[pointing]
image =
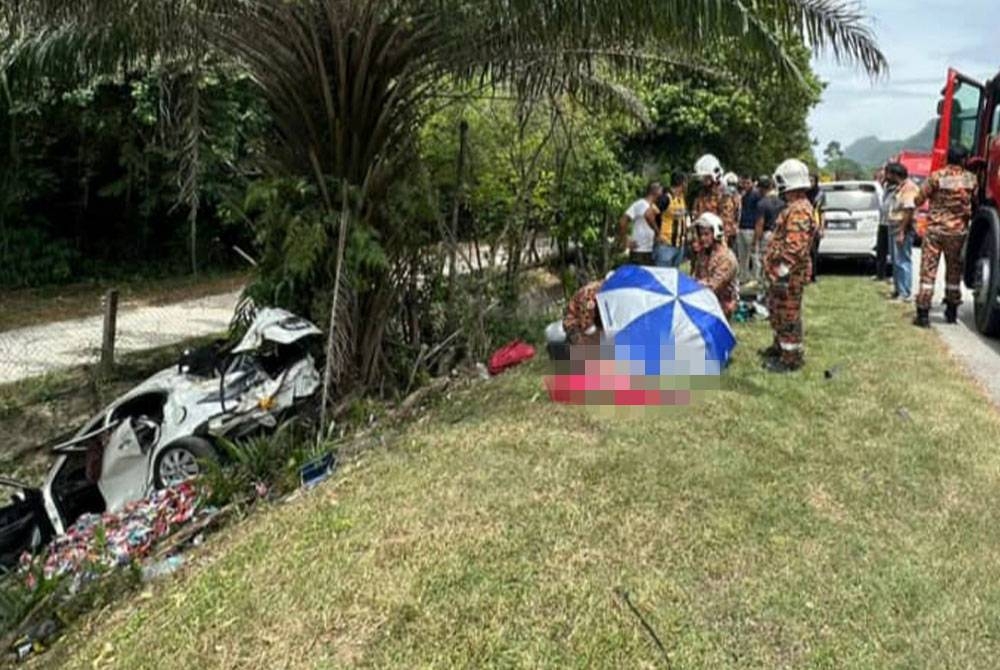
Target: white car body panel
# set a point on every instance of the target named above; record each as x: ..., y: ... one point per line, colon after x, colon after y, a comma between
x: 275, y: 325
x: 194, y: 406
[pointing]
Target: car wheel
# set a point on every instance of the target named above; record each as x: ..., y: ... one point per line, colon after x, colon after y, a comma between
x: 182, y: 462
x: 986, y: 285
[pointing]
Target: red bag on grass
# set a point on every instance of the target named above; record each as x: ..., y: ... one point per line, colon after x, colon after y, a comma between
x: 510, y: 355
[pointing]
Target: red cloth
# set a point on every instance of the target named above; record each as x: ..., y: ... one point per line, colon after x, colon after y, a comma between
x: 510, y: 355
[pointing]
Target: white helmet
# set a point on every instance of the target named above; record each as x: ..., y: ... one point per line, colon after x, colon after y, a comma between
x: 792, y: 175
x: 710, y: 220
x: 708, y: 166
x: 731, y: 179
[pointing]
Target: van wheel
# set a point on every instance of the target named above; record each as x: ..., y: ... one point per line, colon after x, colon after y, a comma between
x: 182, y: 461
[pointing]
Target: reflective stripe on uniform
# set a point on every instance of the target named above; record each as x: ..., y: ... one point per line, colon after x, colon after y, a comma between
x: 926, y: 287
x: 953, y: 287
x: 785, y: 346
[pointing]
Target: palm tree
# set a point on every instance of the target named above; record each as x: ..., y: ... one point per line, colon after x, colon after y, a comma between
x: 349, y: 82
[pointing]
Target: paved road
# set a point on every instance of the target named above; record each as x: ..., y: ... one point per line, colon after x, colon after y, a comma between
x: 29, y: 352
x: 979, y: 355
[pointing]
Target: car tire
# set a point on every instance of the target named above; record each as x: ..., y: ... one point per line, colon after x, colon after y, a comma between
x: 182, y: 461
x: 987, y: 283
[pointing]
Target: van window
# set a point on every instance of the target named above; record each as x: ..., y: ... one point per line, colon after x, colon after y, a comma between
x: 854, y: 199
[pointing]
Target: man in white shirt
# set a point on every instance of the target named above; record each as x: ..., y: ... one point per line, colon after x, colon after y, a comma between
x: 638, y: 226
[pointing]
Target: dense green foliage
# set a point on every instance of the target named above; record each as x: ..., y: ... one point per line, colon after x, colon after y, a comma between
x: 89, y: 179
x: 751, y: 123
x: 353, y: 214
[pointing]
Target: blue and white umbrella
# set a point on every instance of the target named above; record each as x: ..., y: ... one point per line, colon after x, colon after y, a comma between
x: 663, y: 322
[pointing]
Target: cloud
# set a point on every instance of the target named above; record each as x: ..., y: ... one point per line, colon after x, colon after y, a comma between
x: 921, y: 41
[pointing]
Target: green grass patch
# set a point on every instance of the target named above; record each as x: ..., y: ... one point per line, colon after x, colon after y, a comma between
x: 791, y: 521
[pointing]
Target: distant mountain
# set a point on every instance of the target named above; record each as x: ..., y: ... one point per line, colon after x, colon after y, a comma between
x: 871, y: 151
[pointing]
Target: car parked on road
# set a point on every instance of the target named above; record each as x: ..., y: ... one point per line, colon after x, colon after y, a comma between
x: 159, y: 434
x: 851, y: 212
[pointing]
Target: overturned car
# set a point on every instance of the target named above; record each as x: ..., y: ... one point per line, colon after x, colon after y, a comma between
x: 160, y: 433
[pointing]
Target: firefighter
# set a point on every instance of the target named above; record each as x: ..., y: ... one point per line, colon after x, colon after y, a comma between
x: 712, y: 197
x: 786, y: 265
x: 582, y: 322
x: 950, y: 191
x: 715, y: 264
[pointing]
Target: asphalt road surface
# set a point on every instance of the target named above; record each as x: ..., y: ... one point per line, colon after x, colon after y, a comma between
x: 980, y: 355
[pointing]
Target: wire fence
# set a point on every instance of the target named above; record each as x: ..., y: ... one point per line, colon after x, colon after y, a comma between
x: 41, y: 349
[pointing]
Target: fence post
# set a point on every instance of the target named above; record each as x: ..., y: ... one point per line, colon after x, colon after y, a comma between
x: 110, y: 328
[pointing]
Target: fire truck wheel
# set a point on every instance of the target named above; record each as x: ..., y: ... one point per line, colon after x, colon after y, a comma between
x: 987, y: 283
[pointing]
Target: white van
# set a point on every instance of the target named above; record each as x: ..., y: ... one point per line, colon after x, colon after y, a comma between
x: 852, y: 211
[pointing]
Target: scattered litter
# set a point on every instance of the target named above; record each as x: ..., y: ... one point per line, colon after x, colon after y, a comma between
x: 33, y: 642
x: 114, y: 540
x: 482, y: 371
x: 743, y: 313
x: 904, y: 414
x: 832, y: 372
x: 168, y: 566
x: 510, y: 355
x: 318, y: 469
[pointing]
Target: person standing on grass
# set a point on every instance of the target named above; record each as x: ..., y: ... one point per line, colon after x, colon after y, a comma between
x: 669, y: 249
x: 815, y: 197
x: 902, y: 206
x: 715, y: 265
x: 949, y: 191
x: 768, y: 208
x: 787, y: 268
x: 638, y: 226
x: 730, y: 211
x: 745, y: 250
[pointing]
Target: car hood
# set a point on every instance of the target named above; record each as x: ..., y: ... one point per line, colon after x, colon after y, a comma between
x: 275, y: 325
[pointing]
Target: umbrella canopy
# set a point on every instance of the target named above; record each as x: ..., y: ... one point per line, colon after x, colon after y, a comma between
x: 663, y: 322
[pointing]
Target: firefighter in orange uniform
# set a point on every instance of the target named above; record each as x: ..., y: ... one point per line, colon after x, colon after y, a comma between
x: 786, y: 266
x: 950, y: 191
x: 715, y: 264
x: 709, y: 199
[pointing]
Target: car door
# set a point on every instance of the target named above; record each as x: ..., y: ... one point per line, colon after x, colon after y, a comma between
x: 23, y: 523
x: 124, y: 467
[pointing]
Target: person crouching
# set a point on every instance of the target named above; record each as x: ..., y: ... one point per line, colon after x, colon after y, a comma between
x: 715, y: 265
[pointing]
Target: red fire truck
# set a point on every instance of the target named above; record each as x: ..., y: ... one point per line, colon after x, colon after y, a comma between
x: 969, y: 114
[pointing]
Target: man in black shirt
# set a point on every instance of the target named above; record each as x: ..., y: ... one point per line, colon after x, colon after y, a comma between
x: 768, y: 209
x: 748, y: 222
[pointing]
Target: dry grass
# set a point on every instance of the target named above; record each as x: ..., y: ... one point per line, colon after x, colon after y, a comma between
x: 791, y: 522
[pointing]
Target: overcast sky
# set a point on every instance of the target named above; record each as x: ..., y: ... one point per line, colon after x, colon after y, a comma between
x: 921, y: 39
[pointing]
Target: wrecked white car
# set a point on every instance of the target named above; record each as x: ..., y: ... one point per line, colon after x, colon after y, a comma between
x: 159, y: 434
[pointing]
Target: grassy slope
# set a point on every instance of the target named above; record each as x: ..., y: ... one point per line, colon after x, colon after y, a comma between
x: 784, y: 522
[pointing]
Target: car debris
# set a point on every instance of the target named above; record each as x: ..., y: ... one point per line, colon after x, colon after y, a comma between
x: 158, y: 435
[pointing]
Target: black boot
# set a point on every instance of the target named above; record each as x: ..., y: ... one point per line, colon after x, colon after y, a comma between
x: 951, y: 314
x: 772, y: 351
x: 923, y: 318
x: 778, y: 366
